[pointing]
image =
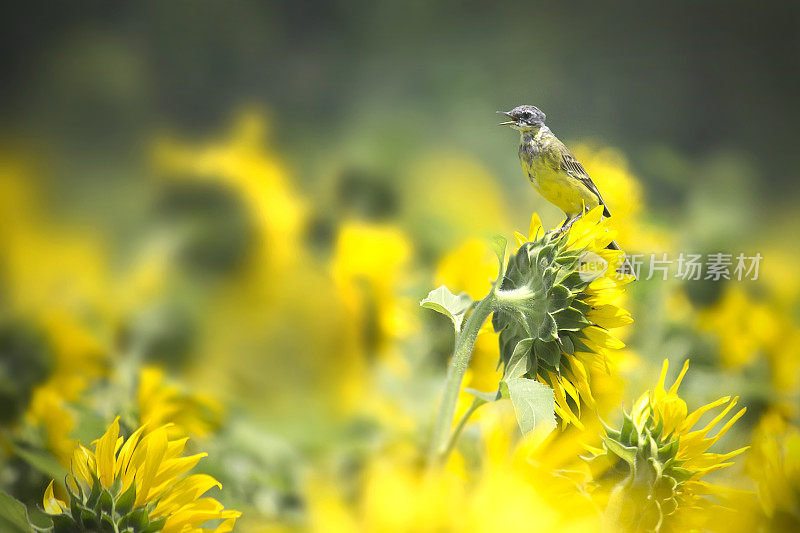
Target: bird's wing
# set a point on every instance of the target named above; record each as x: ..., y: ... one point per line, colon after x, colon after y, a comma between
x: 571, y: 166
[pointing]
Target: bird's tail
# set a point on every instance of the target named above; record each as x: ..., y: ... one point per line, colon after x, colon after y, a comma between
x: 626, y: 267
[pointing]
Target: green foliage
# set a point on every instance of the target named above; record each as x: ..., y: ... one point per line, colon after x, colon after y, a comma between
x: 42, y: 461
x: 534, y: 404
x: 445, y: 302
x: 13, y: 515
x: 499, y: 244
x: 25, y: 360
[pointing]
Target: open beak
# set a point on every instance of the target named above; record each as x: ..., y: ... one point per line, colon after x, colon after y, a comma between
x: 509, y: 122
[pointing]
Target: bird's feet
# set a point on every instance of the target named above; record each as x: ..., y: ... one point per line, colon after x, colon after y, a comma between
x: 568, y: 222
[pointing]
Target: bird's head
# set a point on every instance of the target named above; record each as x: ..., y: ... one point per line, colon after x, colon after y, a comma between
x: 524, y: 118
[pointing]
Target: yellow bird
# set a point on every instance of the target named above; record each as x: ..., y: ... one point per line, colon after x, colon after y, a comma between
x: 553, y: 170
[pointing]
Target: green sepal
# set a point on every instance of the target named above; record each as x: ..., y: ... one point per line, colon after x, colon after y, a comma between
x: 136, y: 519
x: 558, y: 298
x: 108, y: 522
x: 626, y: 434
x: 548, y: 328
x: 668, y: 451
x: 626, y: 453
x: 126, y: 500
x: 570, y: 319
x: 94, y: 495
x: 548, y: 352
x: 63, y: 524
x: 155, y: 525
x: 680, y: 474
x: 567, y: 346
x: 106, y: 502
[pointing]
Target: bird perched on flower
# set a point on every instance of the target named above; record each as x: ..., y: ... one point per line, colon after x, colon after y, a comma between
x: 552, y: 169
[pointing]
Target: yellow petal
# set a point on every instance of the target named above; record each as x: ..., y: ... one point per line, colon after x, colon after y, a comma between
x: 674, y: 388
x: 153, y: 448
x: 105, y: 453
x: 125, y: 470
x: 602, y: 338
x: 534, y: 227
x: 184, y: 492
x: 172, y: 468
x: 610, y: 316
x: 51, y: 504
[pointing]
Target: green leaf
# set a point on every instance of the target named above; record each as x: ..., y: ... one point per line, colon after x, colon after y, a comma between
x: 89, y: 425
x: 41, y: 461
x: 13, y: 515
x: 520, y: 362
x: 499, y: 244
x: 534, y: 404
x: 445, y: 302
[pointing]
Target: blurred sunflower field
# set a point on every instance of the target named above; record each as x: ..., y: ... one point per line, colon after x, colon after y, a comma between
x: 271, y: 267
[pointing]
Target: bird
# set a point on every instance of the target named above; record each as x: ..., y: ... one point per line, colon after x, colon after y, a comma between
x: 553, y: 171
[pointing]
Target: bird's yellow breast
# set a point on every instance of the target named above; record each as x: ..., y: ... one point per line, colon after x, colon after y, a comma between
x: 559, y: 188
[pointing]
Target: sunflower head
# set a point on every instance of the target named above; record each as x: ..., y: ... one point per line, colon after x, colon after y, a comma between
x: 136, y: 486
x: 654, y: 463
x: 557, y: 301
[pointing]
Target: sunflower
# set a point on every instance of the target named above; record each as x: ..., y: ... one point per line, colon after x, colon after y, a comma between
x: 651, y: 469
x: 161, y: 401
x: 137, y: 485
x: 774, y: 464
x: 559, y: 298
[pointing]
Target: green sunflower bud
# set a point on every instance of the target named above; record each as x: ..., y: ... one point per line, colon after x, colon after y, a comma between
x: 540, y: 308
x: 642, y: 463
x: 656, y: 460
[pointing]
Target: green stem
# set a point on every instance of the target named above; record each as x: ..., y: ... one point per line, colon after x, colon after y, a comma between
x: 465, y: 343
x: 451, y: 443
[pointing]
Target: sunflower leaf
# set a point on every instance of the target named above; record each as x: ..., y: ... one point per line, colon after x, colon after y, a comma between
x: 499, y: 244
x: 13, y: 515
x: 42, y: 461
x: 533, y: 402
x: 520, y: 362
x: 445, y: 302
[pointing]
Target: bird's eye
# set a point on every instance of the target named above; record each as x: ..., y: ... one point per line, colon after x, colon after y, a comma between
x: 527, y: 115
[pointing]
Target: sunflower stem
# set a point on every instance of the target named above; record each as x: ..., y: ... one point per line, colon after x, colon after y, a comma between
x: 451, y: 443
x: 465, y: 343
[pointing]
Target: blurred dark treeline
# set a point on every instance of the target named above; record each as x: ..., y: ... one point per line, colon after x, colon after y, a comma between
x: 97, y: 77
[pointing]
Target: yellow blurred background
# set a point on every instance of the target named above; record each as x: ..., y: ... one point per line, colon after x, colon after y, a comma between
x: 223, y: 215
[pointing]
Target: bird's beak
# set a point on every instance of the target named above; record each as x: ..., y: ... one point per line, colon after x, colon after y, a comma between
x: 507, y: 123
